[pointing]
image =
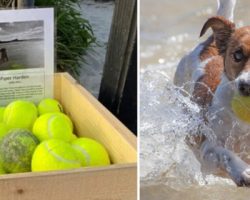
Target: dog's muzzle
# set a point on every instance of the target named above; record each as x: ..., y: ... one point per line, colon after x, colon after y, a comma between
x: 244, y: 88
x: 243, y: 83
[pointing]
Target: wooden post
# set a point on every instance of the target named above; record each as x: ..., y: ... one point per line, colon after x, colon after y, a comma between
x: 128, y: 105
x: 118, y: 57
x: 16, y: 3
x: 25, y: 3
x: 6, y: 3
x: 20, y: 4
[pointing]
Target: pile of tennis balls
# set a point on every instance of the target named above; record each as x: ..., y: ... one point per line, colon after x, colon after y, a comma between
x: 41, y: 138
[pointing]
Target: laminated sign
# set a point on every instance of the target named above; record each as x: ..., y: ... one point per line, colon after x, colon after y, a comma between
x: 26, y: 54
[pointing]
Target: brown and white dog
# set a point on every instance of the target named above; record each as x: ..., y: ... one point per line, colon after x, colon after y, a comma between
x: 219, y: 68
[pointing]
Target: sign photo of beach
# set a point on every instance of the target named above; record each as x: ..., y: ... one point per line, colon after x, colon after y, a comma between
x: 21, y: 45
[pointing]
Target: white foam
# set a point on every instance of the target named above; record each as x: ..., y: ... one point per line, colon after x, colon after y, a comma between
x: 167, y: 117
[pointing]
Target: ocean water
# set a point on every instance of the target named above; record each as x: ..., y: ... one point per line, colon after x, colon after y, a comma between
x: 23, y: 54
x: 168, y: 167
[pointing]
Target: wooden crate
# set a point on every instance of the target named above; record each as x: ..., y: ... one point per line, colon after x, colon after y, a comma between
x: 115, y: 182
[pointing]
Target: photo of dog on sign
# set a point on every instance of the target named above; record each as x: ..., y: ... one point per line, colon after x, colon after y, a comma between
x: 21, y: 45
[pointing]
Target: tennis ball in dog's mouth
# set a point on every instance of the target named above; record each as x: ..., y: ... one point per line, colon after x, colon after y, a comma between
x: 241, y: 107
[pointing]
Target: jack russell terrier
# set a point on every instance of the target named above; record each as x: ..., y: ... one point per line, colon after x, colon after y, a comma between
x: 220, y: 68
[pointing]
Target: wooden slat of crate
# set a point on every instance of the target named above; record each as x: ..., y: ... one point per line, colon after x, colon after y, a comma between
x: 93, y: 120
x: 110, y: 183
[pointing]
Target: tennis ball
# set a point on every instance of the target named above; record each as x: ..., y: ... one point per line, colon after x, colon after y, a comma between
x: 53, y: 125
x: 73, y: 137
x: 20, y: 114
x: 90, y: 152
x: 2, y: 171
x: 2, y: 109
x: 16, y: 150
x: 49, y: 106
x: 54, y: 154
x: 3, y: 130
x: 241, y: 107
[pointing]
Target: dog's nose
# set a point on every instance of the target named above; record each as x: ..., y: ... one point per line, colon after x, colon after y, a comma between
x: 244, y: 88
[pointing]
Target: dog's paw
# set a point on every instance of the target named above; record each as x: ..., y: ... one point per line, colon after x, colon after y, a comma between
x: 244, y: 179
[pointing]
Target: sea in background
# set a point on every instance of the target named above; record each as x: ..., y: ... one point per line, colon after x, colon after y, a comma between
x: 24, y: 54
x: 24, y: 44
x: 168, y: 167
x: 100, y: 16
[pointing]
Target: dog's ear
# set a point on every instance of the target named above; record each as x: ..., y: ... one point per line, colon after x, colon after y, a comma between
x: 222, y: 29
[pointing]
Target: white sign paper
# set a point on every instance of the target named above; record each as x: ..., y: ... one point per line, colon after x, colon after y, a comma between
x: 26, y: 54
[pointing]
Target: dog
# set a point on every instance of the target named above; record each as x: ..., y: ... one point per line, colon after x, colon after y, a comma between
x: 219, y: 68
x: 4, y: 57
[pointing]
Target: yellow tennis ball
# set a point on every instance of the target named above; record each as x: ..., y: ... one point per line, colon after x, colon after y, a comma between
x: 2, y: 109
x: 3, y: 130
x: 241, y: 107
x: 54, y: 154
x: 74, y: 137
x: 91, y: 152
x: 20, y: 114
x: 49, y: 106
x: 53, y: 125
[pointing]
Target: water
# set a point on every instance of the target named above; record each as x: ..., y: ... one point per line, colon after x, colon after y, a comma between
x: 168, y: 167
x: 99, y: 15
x: 23, y: 54
x: 214, y: 192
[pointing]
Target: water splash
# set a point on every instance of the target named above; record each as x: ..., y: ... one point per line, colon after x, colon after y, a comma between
x: 167, y: 118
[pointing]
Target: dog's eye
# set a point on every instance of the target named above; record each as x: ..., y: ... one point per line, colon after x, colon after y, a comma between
x: 238, y: 55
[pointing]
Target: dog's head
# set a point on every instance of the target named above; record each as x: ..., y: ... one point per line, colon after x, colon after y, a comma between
x: 234, y: 45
